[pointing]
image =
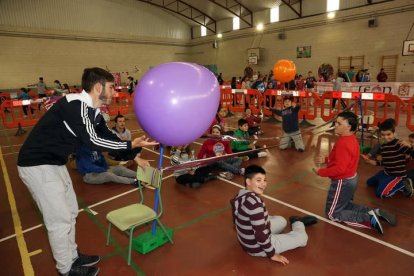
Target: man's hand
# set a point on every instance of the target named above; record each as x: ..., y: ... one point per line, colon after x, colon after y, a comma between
x: 280, y: 259
x: 315, y: 171
x: 142, y: 142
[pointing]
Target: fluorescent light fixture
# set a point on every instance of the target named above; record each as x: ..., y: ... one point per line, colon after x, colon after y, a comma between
x: 274, y: 14
x: 260, y: 27
x: 203, y: 31
x: 236, y: 23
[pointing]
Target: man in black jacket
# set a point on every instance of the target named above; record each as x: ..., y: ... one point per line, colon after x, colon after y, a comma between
x: 72, y: 121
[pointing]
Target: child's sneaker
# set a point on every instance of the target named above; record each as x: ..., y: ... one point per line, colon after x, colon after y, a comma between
x: 375, y: 223
x: 306, y: 220
x: 409, y: 190
x: 226, y: 175
x: 262, y: 154
x: 388, y: 217
x: 242, y: 170
x: 244, y: 158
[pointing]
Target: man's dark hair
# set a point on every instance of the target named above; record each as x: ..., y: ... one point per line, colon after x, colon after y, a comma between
x: 387, y: 125
x: 117, y: 117
x: 241, y: 122
x: 351, y: 118
x: 92, y: 76
x: 251, y: 171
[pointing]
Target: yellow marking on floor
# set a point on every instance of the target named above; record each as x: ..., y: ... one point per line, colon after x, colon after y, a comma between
x: 21, y: 243
x: 35, y: 252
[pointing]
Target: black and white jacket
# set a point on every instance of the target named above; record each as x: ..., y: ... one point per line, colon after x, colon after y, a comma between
x: 70, y: 122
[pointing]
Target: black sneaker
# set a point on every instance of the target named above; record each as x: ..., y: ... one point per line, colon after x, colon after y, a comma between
x: 86, y: 260
x: 375, y: 223
x: 306, y: 220
x: 388, y: 217
x: 409, y: 190
x: 82, y: 271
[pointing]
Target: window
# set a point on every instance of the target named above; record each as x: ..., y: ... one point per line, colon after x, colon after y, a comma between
x: 274, y: 14
x: 332, y: 5
x: 203, y: 31
x: 236, y: 23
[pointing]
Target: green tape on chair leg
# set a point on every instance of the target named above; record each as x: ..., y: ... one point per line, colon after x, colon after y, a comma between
x: 147, y: 242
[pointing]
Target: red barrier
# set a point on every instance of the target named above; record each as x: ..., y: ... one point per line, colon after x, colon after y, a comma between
x: 239, y: 100
x: 269, y: 100
x: 409, y: 123
x: 119, y: 104
x: 255, y: 100
x: 15, y: 116
x: 226, y: 98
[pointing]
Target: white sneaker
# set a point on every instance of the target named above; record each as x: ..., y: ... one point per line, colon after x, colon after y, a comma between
x: 262, y: 154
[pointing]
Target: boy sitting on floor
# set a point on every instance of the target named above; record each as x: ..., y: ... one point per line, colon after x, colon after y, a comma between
x: 260, y: 234
x: 393, y: 178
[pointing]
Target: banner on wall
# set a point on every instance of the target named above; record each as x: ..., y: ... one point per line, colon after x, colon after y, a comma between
x: 117, y: 77
x: 400, y: 89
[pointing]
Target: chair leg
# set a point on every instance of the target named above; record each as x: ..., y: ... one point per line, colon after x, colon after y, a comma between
x: 109, y: 234
x: 130, y: 246
x: 165, y: 231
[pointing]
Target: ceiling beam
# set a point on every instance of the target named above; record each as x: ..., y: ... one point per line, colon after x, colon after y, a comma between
x: 236, y: 8
x: 187, y: 11
x: 290, y: 4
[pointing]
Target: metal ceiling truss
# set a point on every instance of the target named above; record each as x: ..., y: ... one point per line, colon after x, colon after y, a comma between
x: 290, y: 4
x: 187, y: 11
x: 237, y: 9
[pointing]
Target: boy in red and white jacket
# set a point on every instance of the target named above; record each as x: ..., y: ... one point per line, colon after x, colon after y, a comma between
x: 342, y: 164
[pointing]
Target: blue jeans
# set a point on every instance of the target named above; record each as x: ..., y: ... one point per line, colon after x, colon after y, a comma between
x: 387, y: 185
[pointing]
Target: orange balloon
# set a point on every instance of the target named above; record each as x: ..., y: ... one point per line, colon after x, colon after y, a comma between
x: 284, y: 70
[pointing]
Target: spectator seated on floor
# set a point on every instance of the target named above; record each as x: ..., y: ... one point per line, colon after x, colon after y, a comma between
x: 217, y: 147
x: 125, y: 135
x: 190, y: 177
x: 94, y: 169
x: 254, y: 122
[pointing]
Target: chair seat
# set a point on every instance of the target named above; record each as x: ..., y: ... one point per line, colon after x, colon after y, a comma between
x: 130, y: 215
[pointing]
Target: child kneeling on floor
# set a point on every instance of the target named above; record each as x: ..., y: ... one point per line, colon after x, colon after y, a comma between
x: 259, y: 233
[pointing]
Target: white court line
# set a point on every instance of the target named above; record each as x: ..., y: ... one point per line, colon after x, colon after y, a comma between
x: 399, y: 249
x: 80, y: 210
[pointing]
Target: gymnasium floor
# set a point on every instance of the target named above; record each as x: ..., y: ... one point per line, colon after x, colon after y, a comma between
x: 205, y: 241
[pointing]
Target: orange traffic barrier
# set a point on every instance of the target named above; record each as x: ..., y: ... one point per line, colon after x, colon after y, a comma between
x: 120, y: 104
x: 239, y: 100
x: 20, y: 113
x: 409, y: 123
x: 226, y: 98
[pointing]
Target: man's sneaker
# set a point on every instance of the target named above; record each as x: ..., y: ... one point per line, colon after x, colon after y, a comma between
x: 82, y: 271
x: 306, y: 220
x: 375, y: 223
x: 409, y: 190
x: 388, y: 217
x: 86, y: 260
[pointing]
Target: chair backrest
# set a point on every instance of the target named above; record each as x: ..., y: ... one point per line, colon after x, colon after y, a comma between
x: 151, y: 176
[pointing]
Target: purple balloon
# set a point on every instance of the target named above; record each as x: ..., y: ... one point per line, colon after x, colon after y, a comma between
x: 175, y: 103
